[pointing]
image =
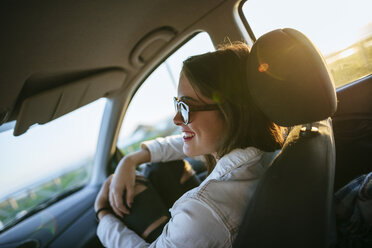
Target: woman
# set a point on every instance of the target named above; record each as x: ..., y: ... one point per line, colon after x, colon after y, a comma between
x: 219, y: 120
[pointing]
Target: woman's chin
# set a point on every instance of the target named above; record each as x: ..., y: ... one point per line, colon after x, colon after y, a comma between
x: 189, y: 152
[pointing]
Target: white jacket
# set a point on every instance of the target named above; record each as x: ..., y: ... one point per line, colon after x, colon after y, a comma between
x: 206, y: 216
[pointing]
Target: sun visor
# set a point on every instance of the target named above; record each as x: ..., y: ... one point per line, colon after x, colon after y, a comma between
x: 46, y: 97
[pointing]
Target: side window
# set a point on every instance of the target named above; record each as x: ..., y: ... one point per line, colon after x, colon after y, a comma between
x: 342, y: 30
x: 47, y: 161
x: 150, y: 113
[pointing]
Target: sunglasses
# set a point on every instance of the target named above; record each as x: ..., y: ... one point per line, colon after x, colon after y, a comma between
x: 184, y: 109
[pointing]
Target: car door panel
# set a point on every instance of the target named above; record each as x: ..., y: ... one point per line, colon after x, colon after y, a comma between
x: 353, y: 131
x: 69, y: 221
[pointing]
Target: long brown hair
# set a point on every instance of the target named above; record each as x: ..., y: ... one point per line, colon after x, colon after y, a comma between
x: 221, y: 76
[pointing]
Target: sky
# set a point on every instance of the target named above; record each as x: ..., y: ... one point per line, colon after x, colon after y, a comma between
x: 331, y: 24
x: 54, y: 147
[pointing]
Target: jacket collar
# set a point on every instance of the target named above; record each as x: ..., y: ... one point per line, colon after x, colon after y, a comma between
x: 236, y: 158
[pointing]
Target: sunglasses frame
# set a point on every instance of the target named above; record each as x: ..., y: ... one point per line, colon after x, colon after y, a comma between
x: 178, y: 104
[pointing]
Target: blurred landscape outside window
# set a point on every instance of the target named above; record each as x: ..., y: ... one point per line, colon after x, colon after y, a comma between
x: 341, y: 29
x: 151, y: 111
x: 46, y: 162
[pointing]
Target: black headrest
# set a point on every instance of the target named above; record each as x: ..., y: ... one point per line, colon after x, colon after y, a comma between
x: 289, y: 79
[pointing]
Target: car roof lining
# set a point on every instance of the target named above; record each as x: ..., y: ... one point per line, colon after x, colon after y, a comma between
x: 70, y: 35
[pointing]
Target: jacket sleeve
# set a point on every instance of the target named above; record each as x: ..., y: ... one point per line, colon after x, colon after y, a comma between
x: 165, y: 149
x: 192, y: 225
x: 114, y: 234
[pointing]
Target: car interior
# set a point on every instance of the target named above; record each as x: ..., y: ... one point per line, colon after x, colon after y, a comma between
x: 90, y: 63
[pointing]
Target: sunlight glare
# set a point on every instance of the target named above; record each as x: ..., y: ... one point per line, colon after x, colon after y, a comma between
x: 332, y: 25
x: 263, y: 67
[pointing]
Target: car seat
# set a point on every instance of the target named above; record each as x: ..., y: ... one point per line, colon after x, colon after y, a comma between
x: 292, y: 206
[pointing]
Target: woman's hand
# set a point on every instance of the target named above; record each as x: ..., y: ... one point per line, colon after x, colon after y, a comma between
x: 124, y: 180
x: 102, y: 200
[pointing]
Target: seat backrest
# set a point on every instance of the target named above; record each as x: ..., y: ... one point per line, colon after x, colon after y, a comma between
x: 292, y: 206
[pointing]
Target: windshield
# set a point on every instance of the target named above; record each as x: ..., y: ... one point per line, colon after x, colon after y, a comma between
x: 47, y: 161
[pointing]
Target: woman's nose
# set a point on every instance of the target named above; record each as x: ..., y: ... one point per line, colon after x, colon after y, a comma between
x: 177, y: 120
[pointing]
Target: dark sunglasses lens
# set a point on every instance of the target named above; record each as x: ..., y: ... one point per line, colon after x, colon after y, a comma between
x: 175, y: 104
x: 184, y: 113
x: 181, y: 108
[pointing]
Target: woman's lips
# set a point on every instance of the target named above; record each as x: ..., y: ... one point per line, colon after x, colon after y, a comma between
x: 187, y: 136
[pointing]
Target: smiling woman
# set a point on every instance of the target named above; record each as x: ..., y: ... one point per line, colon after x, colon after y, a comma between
x: 234, y: 136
